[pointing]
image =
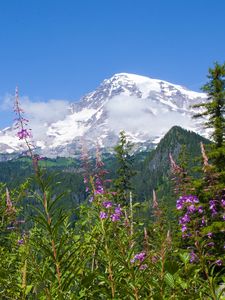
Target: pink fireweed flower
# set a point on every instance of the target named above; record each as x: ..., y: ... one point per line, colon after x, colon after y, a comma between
x: 22, y: 122
x: 23, y: 134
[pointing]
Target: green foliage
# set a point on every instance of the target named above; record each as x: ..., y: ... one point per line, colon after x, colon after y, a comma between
x: 11, y: 255
x: 214, y: 110
x: 125, y: 171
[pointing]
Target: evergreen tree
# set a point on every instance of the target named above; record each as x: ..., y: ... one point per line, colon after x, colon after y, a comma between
x: 214, y: 110
x: 125, y: 170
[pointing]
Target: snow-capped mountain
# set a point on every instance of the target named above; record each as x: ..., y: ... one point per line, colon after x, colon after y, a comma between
x: 145, y: 108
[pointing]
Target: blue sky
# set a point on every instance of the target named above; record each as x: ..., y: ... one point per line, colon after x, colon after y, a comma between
x: 62, y: 49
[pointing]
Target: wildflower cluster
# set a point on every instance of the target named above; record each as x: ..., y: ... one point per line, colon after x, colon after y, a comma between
x: 189, y: 204
x: 112, y: 211
x: 197, y: 225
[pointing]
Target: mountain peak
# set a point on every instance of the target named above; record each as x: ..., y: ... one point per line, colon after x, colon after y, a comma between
x: 144, y: 107
x: 130, y: 76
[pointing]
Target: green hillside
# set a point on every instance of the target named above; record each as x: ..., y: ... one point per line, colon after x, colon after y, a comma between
x: 154, y: 171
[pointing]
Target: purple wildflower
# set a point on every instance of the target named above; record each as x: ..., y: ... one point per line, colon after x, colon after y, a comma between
x: 180, y: 204
x: 186, y: 199
x: 193, y: 257
x: 185, y: 219
x: 223, y: 202
x: 117, y: 214
x: 212, y: 207
x: 211, y: 244
x: 99, y: 190
x: 218, y: 262
x: 115, y: 217
x: 140, y: 256
x: 200, y: 209
x: 107, y: 204
x: 118, y: 210
x: 20, y: 242
x: 103, y: 215
x: 191, y: 209
x: 203, y: 221
x: 183, y: 228
x: 209, y: 235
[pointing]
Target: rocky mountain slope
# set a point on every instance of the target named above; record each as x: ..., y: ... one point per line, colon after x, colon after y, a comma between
x: 145, y: 108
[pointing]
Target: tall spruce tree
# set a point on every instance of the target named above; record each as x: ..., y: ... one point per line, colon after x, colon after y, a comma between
x: 214, y: 111
x: 125, y: 170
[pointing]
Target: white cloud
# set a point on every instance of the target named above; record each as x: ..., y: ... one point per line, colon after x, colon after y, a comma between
x: 7, y: 102
x: 133, y: 114
x: 50, y: 111
x: 40, y: 114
